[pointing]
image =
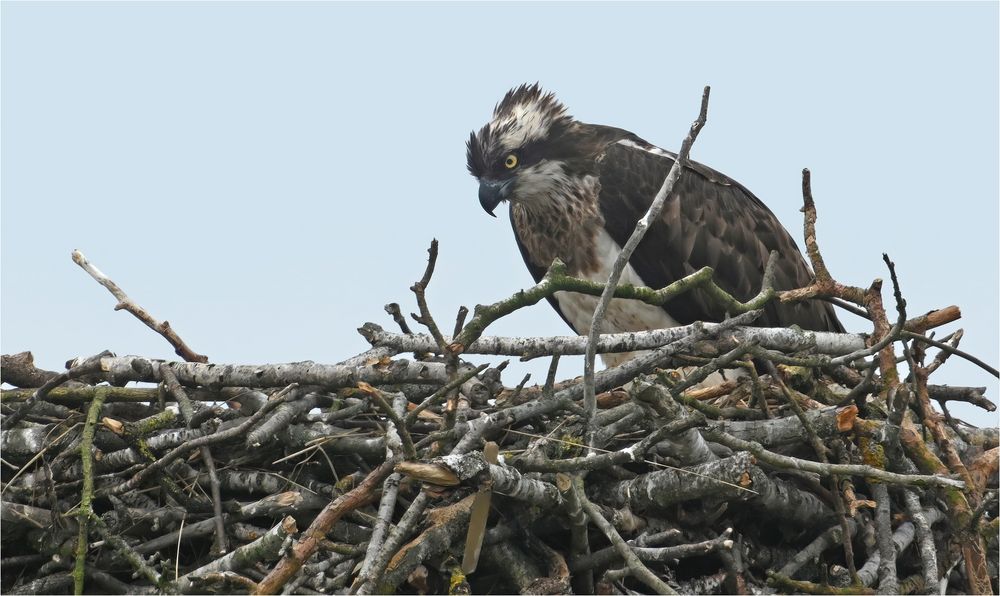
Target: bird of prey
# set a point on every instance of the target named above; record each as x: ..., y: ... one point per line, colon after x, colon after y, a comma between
x: 576, y: 192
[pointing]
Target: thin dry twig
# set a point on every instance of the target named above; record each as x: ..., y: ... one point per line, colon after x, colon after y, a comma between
x: 652, y: 214
x: 126, y: 303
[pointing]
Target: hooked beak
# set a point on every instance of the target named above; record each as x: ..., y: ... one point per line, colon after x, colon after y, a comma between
x: 492, y: 192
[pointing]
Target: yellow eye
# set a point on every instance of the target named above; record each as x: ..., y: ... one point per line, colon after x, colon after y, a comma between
x: 511, y: 162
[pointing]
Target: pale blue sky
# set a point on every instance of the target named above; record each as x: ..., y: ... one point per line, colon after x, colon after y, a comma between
x: 267, y: 176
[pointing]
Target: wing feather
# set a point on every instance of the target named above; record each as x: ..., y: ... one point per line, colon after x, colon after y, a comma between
x: 709, y: 220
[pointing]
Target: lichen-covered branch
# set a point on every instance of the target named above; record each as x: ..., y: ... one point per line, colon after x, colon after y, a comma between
x: 773, y: 338
x: 265, y: 548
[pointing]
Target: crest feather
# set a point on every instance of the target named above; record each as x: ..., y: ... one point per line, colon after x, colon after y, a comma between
x: 528, y: 98
x: 526, y: 114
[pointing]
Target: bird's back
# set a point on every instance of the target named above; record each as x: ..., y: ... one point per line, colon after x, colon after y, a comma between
x: 708, y: 221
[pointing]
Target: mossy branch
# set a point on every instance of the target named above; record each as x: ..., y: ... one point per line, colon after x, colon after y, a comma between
x: 558, y: 280
x: 84, y: 513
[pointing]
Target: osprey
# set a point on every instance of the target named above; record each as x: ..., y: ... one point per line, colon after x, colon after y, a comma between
x: 577, y: 190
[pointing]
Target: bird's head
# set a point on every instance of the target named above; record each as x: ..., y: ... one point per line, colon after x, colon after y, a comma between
x: 521, y: 153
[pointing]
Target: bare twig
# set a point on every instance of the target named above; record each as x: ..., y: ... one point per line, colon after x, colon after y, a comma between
x: 888, y: 581
x: 397, y: 315
x: 293, y: 561
x: 635, y: 566
x: 379, y: 398
x: 652, y: 214
x: 78, y: 369
x: 419, y: 289
x: 187, y: 412
x: 951, y: 350
x: 794, y: 463
x: 126, y: 303
x: 219, y: 437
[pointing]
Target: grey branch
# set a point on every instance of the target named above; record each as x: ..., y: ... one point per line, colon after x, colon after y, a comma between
x: 901, y: 538
x: 773, y: 338
x: 126, y: 303
x: 784, y: 461
x: 652, y: 214
x: 265, y: 548
x: 635, y: 566
x: 135, y: 368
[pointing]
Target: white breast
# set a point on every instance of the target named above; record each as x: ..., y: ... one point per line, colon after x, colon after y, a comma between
x: 622, y: 314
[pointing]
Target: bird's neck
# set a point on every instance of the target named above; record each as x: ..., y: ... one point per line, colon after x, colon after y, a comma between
x: 563, y: 228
